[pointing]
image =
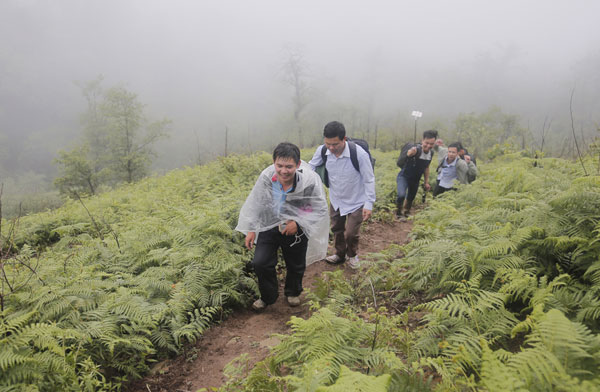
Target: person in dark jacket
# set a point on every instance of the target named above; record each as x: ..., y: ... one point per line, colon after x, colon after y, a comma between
x: 417, y: 161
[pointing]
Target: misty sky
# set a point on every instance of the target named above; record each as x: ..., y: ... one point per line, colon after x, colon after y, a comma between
x: 210, y: 64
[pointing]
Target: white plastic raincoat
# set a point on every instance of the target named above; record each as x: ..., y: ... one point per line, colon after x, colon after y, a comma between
x: 306, y: 204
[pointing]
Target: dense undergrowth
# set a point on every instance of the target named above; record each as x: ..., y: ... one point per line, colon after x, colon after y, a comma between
x: 506, y: 273
x: 498, y: 291
x: 95, y: 292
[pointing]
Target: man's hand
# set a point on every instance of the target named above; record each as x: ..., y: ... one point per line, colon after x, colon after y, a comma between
x: 291, y: 228
x: 467, y: 158
x: 250, y: 237
x: 439, y: 142
x: 427, y: 186
x: 411, y: 152
x: 367, y: 214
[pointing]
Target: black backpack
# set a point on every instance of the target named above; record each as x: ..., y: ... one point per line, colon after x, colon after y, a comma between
x: 403, y: 158
x: 322, y: 171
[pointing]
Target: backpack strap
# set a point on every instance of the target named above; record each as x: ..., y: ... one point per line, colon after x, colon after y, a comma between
x: 322, y: 169
x: 323, y: 154
x: 440, y: 165
x: 353, y: 155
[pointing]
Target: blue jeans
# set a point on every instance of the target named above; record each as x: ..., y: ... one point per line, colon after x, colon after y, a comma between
x: 407, y: 188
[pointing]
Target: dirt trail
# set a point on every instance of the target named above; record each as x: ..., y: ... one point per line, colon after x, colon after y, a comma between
x: 249, y: 332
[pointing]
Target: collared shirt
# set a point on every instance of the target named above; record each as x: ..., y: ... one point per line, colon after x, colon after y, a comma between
x: 279, y: 195
x: 349, y: 189
x: 447, y: 173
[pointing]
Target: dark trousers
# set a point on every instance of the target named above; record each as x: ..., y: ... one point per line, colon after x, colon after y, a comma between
x: 265, y: 261
x: 346, y: 230
x: 438, y: 190
x: 407, y: 188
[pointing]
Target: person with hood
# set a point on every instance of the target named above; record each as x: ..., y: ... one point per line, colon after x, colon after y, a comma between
x: 286, y: 209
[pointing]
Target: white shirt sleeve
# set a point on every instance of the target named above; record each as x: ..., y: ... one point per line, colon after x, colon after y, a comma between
x: 368, y: 177
x: 316, y: 159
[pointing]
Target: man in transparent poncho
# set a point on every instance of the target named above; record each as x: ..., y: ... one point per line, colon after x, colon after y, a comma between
x: 286, y: 209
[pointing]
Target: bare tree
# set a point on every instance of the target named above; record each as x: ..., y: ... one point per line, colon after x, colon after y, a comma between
x: 544, y: 130
x: 573, y: 129
x: 16, y: 270
x: 295, y: 74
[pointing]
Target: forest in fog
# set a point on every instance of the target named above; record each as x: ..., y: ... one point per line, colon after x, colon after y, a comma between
x: 211, y: 78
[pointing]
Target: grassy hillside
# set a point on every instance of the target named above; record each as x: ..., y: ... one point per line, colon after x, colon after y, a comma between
x: 498, y: 291
x: 503, y: 273
x: 94, y: 294
x: 97, y: 290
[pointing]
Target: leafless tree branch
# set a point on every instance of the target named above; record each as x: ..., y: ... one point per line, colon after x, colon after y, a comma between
x: 573, y: 128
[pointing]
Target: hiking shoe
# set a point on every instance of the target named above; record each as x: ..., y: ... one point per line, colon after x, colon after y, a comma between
x: 334, y: 259
x: 353, y: 262
x: 293, y: 301
x: 259, y: 304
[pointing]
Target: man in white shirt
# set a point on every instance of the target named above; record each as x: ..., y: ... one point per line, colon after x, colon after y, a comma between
x: 452, y: 168
x: 351, y: 184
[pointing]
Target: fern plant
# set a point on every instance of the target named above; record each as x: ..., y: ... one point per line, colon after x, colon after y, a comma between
x: 127, y: 277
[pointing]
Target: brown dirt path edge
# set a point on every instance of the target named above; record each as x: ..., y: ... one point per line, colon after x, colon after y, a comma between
x: 249, y: 332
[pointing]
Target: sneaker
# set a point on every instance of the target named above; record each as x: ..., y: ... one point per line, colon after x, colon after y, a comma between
x: 334, y: 259
x: 259, y: 304
x: 293, y: 301
x: 353, y: 262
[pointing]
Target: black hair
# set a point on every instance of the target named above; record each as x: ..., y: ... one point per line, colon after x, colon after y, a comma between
x: 457, y: 145
x: 287, y: 150
x: 334, y: 129
x: 432, y: 133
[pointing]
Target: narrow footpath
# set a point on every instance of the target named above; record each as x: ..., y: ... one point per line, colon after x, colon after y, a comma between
x: 249, y: 332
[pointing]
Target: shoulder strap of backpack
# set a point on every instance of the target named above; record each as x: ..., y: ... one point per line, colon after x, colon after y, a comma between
x: 353, y: 155
x: 439, y: 165
x: 323, y: 154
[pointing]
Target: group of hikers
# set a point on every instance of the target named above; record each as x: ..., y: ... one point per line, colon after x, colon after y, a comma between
x: 454, y: 164
x: 287, y: 207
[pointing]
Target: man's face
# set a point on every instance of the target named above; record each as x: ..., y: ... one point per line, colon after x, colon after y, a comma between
x: 335, y: 145
x: 461, y: 152
x: 427, y: 144
x: 452, y: 153
x: 285, y: 169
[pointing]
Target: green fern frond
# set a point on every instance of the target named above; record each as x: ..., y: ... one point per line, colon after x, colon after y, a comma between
x: 496, y: 375
x: 358, y: 382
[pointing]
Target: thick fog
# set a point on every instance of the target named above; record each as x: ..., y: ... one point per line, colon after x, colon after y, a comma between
x: 215, y: 65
